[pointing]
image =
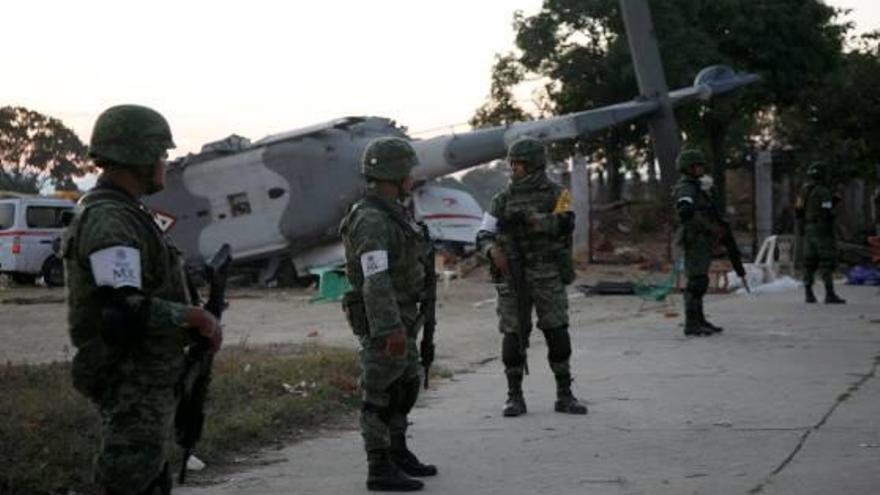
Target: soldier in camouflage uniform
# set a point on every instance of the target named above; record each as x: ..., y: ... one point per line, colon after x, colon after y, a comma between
x: 128, y: 309
x: 697, y: 236
x: 815, y: 208
x: 525, y: 213
x: 385, y: 255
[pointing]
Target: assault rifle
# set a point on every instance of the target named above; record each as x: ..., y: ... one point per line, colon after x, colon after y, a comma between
x: 193, y: 386
x: 516, y: 263
x: 730, y: 245
x: 428, y: 308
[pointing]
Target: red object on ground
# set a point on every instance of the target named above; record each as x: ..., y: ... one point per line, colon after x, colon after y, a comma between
x: 874, y: 242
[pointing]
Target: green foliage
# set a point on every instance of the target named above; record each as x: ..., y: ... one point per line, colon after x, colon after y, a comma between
x: 267, y: 395
x: 35, y: 149
x: 501, y: 108
x: 48, y: 432
x: 580, y: 48
x: 259, y: 397
x: 838, y: 120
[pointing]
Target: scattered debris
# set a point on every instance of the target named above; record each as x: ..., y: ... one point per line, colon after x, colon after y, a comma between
x: 302, y: 388
x: 628, y: 254
x: 608, y: 288
x: 782, y: 284
x: 863, y: 275
x: 194, y: 464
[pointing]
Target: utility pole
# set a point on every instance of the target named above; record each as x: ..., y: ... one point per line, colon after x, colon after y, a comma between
x: 580, y: 197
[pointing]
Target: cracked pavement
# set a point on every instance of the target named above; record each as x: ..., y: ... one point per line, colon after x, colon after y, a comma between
x: 786, y: 401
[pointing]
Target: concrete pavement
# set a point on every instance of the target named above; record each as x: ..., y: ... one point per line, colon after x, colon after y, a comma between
x: 786, y: 401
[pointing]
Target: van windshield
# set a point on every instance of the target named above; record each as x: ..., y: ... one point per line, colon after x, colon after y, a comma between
x: 45, y: 217
x: 7, y: 216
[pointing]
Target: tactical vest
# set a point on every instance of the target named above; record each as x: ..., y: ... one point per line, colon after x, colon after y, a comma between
x: 817, y: 218
x: 536, y: 194
x: 159, y: 351
x: 406, y: 250
x: 688, y: 189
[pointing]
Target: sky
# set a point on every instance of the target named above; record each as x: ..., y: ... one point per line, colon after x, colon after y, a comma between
x: 254, y: 68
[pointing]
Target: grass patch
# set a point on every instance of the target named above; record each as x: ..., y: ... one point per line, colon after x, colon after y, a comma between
x: 260, y: 396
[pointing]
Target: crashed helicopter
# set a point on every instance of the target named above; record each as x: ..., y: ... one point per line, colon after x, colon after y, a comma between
x: 278, y: 201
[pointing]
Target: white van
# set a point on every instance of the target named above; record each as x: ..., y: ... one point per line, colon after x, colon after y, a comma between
x: 29, y: 229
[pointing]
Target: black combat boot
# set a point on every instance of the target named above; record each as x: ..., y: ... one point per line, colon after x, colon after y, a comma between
x: 830, y: 296
x: 706, y: 324
x: 810, y: 296
x: 385, y: 476
x: 406, y: 460
x: 693, y: 327
x: 566, y: 402
x: 516, y: 403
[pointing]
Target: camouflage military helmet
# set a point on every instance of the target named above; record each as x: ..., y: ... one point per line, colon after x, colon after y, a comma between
x: 528, y: 151
x: 388, y: 158
x: 130, y: 135
x: 688, y: 158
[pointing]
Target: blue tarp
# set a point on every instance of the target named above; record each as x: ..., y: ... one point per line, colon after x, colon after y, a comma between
x: 863, y: 275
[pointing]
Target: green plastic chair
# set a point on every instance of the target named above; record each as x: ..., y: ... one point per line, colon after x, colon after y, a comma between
x: 650, y: 289
x: 332, y: 283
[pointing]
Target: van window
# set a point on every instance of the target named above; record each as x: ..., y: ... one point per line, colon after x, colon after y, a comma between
x: 45, y: 217
x: 7, y: 216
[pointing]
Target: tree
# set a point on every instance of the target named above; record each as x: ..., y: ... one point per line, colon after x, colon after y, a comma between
x: 838, y: 121
x: 580, y: 47
x: 501, y: 108
x: 36, y: 149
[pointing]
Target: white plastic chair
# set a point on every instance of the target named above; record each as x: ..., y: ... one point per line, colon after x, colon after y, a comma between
x: 768, y: 265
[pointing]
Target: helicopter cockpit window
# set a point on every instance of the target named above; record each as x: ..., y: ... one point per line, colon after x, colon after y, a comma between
x: 239, y: 204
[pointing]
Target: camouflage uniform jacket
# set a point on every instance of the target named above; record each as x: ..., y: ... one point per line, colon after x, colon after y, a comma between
x: 698, y: 224
x: 817, y: 202
x: 108, y: 217
x: 384, y: 260
x: 532, y: 199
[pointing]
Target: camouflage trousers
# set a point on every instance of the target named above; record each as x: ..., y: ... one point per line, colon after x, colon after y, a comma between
x: 548, y: 300
x: 697, y: 259
x: 390, y: 386
x: 697, y: 255
x: 820, y: 253
x: 137, y: 425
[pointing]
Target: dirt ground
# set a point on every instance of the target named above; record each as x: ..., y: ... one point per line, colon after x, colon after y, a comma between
x: 33, y: 319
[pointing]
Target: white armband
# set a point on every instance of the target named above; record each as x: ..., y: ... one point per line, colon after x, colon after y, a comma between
x: 117, y: 266
x: 374, y: 262
x: 827, y: 205
x: 490, y: 223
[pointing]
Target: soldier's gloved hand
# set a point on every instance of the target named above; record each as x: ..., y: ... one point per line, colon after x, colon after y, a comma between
x: 206, y: 325
x: 395, y: 344
x: 565, y: 222
x: 499, y: 260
